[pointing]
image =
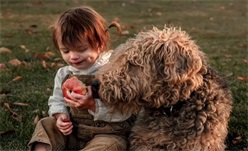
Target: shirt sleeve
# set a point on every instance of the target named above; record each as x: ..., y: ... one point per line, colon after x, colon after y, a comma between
x: 102, y: 113
x: 56, y: 102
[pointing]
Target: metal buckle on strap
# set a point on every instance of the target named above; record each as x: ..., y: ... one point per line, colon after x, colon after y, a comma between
x: 100, y: 124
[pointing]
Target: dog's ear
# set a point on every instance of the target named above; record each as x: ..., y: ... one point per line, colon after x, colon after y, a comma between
x: 182, y: 61
x: 184, y: 65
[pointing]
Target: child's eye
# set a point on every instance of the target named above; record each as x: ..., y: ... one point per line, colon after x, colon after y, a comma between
x: 65, y: 50
x: 82, y: 49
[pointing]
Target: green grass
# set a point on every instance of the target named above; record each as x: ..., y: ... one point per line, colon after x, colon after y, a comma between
x: 219, y: 27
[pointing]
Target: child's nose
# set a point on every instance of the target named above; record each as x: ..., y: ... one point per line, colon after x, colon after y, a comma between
x: 74, y: 55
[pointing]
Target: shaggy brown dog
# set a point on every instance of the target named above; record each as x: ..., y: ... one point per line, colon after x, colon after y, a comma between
x: 181, y: 103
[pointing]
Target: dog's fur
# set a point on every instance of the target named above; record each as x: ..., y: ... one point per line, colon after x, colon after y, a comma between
x: 164, y: 78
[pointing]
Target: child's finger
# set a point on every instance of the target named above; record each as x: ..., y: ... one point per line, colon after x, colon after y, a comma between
x: 74, y: 103
x: 70, y: 102
x: 65, y: 126
x: 67, y: 130
x: 76, y: 96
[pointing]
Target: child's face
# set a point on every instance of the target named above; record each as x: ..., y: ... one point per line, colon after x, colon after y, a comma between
x: 82, y: 58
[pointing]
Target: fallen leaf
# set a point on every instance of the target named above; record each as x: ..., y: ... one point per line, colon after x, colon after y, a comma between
x: 49, y: 54
x: 242, y: 45
x: 15, y: 62
x: 60, y: 64
x: 245, y: 61
x: 43, y: 62
x: 39, y: 56
x: 2, y: 133
x: 125, y: 32
x: 24, y: 48
x: 28, y: 31
x: 127, y: 26
x: 20, y: 104
x: 48, y: 90
x: 193, y: 30
x: 3, y: 96
x: 159, y: 14
x: 228, y: 56
x: 36, y: 111
x: 237, y: 140
x: 48, y: 48
x: 117, y: 19
x: 57, y: 59
x: 3, y: 66
x: 4, y: 93
x: 222, y: 7
x: 7, y: 106
x: 36, y: 119
x: 245, y: 79
x: 5, y: 50
x: 16, y: 116
x: 229, y: 75
x: 44, y: 113
x: 25, y: 63
x: 53, y: 64
x: 16, y: 78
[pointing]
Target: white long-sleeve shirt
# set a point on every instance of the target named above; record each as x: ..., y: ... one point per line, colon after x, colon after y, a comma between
x: 57, y: 104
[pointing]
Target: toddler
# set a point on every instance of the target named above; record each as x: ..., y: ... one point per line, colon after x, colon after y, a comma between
x: 82, y: 39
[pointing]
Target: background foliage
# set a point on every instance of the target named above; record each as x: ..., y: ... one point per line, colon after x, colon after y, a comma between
x: 28, y: 61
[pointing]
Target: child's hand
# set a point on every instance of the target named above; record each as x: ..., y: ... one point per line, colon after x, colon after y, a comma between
x: 64, y: 123
x: 82, y: 101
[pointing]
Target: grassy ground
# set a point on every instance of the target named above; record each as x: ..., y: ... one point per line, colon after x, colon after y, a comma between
x: 29, y: 63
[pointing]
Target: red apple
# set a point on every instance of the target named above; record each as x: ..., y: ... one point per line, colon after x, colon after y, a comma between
x: 73, y: 84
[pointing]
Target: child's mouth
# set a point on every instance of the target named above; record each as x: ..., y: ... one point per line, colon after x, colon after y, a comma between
x: 77, y: 63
